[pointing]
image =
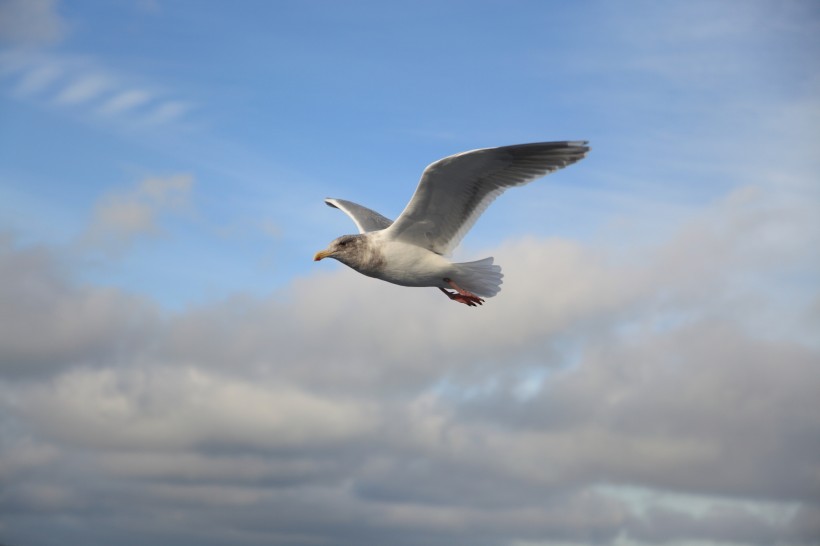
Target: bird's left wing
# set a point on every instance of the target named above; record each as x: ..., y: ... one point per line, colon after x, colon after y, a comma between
x: 364, y: 218
x: 454, y: 191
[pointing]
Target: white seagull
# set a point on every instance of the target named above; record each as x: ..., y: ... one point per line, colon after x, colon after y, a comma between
x: 451, y: 195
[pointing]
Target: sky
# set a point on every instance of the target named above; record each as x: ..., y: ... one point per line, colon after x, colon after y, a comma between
x: 175, y: 369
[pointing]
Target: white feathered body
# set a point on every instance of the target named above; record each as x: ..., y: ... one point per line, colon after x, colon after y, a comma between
x: 407, y: 264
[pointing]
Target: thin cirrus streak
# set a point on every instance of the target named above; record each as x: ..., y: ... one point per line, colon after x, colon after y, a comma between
x: 74, y: 83
x: 37, y: 79
x: 85, y: 88
x: 125, y: 101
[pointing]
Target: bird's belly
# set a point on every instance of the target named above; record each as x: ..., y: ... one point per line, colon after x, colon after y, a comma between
x: 410, y: 265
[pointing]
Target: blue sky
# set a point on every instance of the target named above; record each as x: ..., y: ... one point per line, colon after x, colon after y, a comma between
x: 271, y: 106
x: 646, y: 374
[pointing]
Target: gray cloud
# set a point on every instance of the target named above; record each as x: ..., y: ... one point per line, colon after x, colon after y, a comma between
x: 52, y: 324
x: 333, y: 414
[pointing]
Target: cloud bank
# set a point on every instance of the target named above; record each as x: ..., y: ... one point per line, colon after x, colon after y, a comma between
x: 607, y: 395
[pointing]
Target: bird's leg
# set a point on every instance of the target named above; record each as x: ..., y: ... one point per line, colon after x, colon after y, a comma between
x: 461, y: 295
x: 458, y: 297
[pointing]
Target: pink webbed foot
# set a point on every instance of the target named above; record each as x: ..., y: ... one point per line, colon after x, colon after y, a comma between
x: 472, y: 301
x: 460, y: 295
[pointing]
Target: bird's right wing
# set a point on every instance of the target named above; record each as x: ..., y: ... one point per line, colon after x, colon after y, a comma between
x: 454, y: 191
x: 364, y: 218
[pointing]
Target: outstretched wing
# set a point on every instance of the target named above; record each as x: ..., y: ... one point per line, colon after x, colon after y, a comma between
x: 454, y: 191
x: 364, y: 218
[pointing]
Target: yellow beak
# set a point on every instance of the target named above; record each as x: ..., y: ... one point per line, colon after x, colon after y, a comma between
x: 320, y: 255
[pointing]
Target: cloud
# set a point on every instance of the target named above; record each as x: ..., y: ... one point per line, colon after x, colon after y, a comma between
x: 72, y: 82
x: 74, y: 325
x: 331, y: 412
x: 222, y: 413
x: 726, y: 525
x: 82, y: 89
x: 37, y: 79
x: 168, y: 111
x: 86, y: 85
x: 121, y: 217
x: 30, y: 22
x: 124, y: 101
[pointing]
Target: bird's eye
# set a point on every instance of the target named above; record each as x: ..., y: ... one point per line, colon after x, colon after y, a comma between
x: 342, y: 243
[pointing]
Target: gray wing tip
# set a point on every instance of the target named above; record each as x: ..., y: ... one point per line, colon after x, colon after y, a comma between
x: 554, y: 145
x: 578, y: 144
x: 331, y: 202
x: 578, y: 148
x: 573, y: 150
x: 582, y: 146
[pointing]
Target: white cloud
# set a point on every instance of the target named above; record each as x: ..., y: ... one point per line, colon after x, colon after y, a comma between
x: 122, y: 216
x: 124, y: 101
x: 167, y: 112
x: 86, y: 85
x: 82, y: 89
x: 71, y: 82
x: 38, y: 79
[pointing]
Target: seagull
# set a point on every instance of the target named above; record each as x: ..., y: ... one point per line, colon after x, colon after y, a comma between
x: 452, y: 193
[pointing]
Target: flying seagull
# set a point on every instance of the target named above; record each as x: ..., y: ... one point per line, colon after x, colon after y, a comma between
x: 451, y: 195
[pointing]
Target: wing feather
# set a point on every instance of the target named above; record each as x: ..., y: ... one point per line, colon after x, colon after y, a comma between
x: 453, y: 192
x: 364, y: 218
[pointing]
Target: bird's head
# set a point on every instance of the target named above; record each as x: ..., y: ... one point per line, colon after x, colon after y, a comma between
x: 347, y: 249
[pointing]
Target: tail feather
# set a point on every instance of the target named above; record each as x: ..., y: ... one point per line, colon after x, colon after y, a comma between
x: 480, y: 277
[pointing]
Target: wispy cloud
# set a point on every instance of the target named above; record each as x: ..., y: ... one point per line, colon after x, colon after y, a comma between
x: 121, y: 217
x: 167, y: 112
x: 33, y: 72
x: 30, y: 22
x: 83, y: 88
x: 82, y: 84
x: 124, y: 101
x: 37, y: 79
